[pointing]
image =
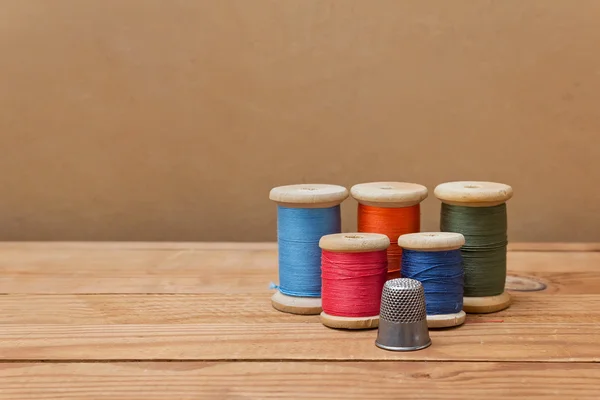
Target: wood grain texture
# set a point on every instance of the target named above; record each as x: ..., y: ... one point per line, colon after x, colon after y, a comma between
x: 85, y: 268
x: 209, y: 305
x: 111, y: 309
x: 307, y: 380
x: 244, y: 246
x: 157, y: 246
x: 97, y: 270
x: 294, y: 341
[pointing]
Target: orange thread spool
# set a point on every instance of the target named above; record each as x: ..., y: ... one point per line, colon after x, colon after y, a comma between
x: 392, y: 222
x: 392, y: 209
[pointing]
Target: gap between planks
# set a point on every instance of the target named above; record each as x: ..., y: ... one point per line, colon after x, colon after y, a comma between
x: 277, y: 361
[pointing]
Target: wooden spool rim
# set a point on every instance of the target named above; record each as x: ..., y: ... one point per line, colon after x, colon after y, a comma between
x: 389, y: 194
x: 336, y: 322
x: 484, y: 305
x: 354, y: 242
x: 473, y: 193
x: 431, y: 241
x: 309, y: 195
x: 446, y: 320
x: 296, y: 305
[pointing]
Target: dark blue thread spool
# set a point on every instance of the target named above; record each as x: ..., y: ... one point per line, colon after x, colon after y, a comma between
x: 435, y: 260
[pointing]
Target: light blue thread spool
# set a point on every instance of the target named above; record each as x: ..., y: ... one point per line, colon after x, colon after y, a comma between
x: 305, y: 213
x: 435, y: 260
x: 299, y: 231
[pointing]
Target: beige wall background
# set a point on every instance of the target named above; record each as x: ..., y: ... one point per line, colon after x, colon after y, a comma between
x: 172, y: 120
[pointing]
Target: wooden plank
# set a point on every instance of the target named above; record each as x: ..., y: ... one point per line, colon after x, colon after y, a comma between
x: 293, y: 341
x: 136, y: 271
x: 69, y: 270
x: 249, y: 308
x: 245, y: 246
x: 142, y: 309
x: 535, y: 308
x: 307, y: 380
x: 150, y: 246
x: 237, y: 323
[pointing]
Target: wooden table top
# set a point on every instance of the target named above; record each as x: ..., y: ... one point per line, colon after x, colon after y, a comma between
x: 194, y: 320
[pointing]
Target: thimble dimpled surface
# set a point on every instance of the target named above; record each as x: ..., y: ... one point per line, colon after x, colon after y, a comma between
x: 403, y: 317
x: 403, y: 300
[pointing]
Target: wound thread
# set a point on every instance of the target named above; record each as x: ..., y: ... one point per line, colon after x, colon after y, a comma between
x: 484, y: 252
x: 298, y: 233
x: 392, y: 222
x: 441, y: 273
x: 352, y: 282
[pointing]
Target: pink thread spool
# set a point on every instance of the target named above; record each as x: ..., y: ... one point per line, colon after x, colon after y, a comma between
x: 354, y: 270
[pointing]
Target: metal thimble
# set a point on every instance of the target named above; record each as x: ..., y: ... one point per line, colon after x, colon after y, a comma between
x: 403, y: 318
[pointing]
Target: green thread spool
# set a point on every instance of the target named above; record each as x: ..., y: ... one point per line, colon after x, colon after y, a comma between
x: 477, y: 210
x: 484, y: 254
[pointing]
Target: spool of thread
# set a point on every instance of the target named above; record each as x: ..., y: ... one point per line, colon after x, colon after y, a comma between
x: 354, y: 269
x: 392, y: 209
x: 435, y: 260
x: 478, y: 211
x: 305, y: 213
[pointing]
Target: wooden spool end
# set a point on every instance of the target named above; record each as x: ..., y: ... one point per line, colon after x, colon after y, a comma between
x: 446, y: 320
x: 473, y: 193
x: 430, y: 242
x: 485, y: 305
x: 296, y: 305
x: 336, y: 322
x: 352, y: 243
x: 389, y: 194
x: 309, y: 195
